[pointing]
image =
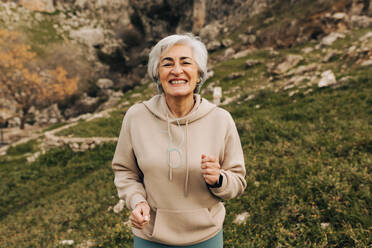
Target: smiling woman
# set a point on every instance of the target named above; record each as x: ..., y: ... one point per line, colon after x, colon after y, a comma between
x: 178, y: 155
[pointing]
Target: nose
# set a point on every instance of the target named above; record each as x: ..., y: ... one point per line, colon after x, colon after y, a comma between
x: 177, y: 69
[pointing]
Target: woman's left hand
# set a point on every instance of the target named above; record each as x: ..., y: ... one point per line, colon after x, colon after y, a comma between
x: 210, y: 169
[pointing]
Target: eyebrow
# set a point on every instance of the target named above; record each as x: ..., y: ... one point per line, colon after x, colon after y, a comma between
x: 171, y: 59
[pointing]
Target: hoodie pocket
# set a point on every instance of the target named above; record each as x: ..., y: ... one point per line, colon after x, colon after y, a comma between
x: 177, y: 227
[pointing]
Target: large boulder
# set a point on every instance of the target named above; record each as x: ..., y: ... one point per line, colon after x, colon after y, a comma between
x: 328, y: 79
x: 361, y: 21
x: 89, y: 36
x: 289, y: 62
x: 210, y: 32
x: 331, y: 38
x: 48, y: 115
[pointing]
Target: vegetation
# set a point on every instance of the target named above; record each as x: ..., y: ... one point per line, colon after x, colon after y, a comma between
x: 308, y: 162
x: 28, y: 147
x: 24, y: 82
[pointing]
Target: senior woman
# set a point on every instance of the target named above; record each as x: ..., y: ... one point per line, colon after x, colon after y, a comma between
x: 178, y: 155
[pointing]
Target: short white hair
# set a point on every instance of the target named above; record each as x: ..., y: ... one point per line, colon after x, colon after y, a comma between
x: 199, y: 52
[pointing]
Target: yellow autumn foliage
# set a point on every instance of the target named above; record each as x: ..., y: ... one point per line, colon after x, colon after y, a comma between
x: 22, y: 80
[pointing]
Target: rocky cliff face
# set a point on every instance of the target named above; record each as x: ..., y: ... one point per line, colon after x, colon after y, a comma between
x: 116, y: 35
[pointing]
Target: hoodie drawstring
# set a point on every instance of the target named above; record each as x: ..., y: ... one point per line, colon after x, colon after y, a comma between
x: 177, y: 149
x: 187, y: 161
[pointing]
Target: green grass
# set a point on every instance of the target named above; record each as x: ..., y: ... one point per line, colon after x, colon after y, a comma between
x: 55, y: 126
x: 22, y: 149
x: 63, y: 195
x: 308, y: 162
x: 100, y: 127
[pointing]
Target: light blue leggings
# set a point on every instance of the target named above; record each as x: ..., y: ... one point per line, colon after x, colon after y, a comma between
x: 214, y: 242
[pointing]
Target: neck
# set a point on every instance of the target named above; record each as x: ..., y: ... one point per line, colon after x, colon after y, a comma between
x: 180, y: 106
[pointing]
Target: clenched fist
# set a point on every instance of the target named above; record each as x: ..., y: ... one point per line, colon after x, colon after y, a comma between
x: 140, y: 215
x: 210, y: 169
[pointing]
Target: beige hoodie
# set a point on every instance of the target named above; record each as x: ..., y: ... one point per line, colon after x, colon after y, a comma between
x: 184, y: 211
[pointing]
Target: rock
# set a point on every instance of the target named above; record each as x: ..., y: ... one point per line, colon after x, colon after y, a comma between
x: 332, y: 37
x: 33, y: 157
x: 38, y: 5
x: 340, y: 16
x: 82, y: 3
x: 87, y: 244
x: 366, y: 63
x: 241, y: 218
x: 66, y: 242
x: 356, y: 7
x: 88, y: 101
x: 289, y: 62
x: 361, y: 21
x: 292, y: 93
x: 210, y: 73
x: 217, y: 94
x: 89, y: 36
x: 366, y: 36
x: 247, y: 39
x: 307, y: 50
x: 328, y: 79
x: 250, y: 97
x: 48, y: 115
x: 210, y: 32
x: 119, y: 206
x: 213, y: 45
x: 227, y: 42
x: 105, y: 83
x: 324, y: 225
x: 303, y: 69
x: 84, y: 147
x: 243, y: 53
x: 75, y: 146
x: 308, y: 91
x: 235, y: 75
x: 251, y: 62
x: 228, y: 52
x: 330, y: 55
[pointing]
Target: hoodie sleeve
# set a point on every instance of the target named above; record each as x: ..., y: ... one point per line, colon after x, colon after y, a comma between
x: 232, y: 166
x: 128, y: 177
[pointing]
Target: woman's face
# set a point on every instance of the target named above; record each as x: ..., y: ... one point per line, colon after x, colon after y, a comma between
x: 178, y: 71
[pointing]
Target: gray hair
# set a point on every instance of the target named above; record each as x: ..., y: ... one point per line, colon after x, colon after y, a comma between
x: 199, y: 51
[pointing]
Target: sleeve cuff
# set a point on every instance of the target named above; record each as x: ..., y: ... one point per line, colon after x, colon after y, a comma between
x: 222, y: 187
x: 137, y: 198
x: 217, y: 184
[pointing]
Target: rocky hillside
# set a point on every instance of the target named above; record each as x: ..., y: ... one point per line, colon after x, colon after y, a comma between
x: 106, y: 42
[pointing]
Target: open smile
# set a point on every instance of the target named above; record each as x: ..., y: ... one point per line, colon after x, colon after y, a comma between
x: 178, y: 81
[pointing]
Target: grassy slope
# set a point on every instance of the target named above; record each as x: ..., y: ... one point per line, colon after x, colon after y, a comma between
x: 308, y: 162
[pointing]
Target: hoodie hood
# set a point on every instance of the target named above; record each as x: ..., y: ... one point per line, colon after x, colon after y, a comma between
x: 157, y: 105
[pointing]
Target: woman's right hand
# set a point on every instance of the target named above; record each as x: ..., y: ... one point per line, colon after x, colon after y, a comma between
x: 140, y: 215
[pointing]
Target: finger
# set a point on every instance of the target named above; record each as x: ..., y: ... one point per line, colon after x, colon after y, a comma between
x: 210, y: 171
x: 210, y: 165
x: 134, y: 219
x: 211, y: 180
x: 146, y: 213
x: 212, y: 158
x: 137, y: 215
x: 209, y: 158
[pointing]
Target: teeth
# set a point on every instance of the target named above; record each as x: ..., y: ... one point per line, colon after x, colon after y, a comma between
x: 178, y: 82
